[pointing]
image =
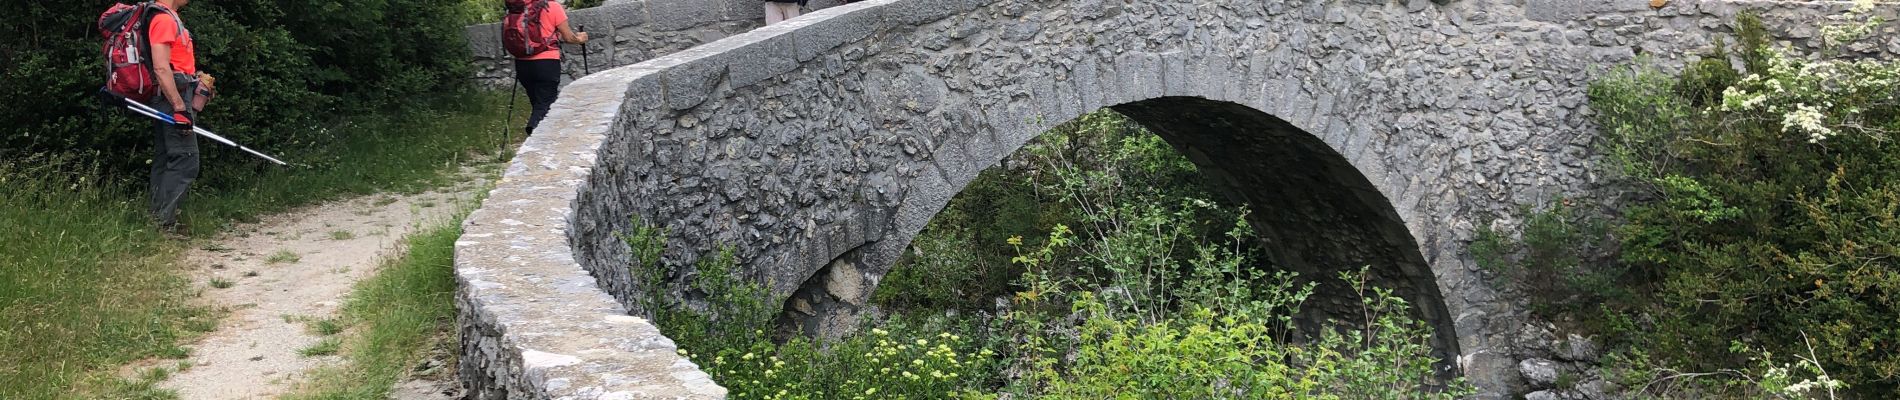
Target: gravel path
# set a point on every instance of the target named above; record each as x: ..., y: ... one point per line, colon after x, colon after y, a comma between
x: 287, y: 271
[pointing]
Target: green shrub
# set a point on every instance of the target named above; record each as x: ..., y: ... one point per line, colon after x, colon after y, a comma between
x: 1549, y: 258
x: 725, y: 310
x: 1157, y: 296
x: 959, y: 261
x: 282, y: 66
x: 1771, y: 217
x: 897, y: 361
x: 1230, y: 333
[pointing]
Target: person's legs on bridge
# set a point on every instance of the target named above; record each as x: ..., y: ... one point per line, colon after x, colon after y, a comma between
x: 541, y: 79
x: 776, y: 11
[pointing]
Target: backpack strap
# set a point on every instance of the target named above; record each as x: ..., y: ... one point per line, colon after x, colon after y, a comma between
x: 145, y: 27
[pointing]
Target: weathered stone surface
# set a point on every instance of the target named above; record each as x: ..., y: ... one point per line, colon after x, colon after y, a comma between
x: 844, y: 281
x: 1579, y: 348
x: 1544, y: 395
x: 1364, y: 133
x: 1539, y: 373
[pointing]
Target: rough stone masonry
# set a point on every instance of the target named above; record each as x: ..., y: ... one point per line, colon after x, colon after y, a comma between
x: 1364, y: 132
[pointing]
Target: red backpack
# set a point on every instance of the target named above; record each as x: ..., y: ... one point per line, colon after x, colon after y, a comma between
x: 521, y: 29
x: 128, y: 51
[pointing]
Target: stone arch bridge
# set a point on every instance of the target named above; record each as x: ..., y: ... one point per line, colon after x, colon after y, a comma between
x: 1363, y: 132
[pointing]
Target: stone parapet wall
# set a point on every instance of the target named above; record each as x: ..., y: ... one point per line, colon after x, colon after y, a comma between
x: 830, y: 140
x: 534, y: 324
x: 625, y: 32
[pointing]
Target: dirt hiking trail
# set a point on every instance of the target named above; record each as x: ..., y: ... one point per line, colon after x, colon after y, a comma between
x: 282, y: 274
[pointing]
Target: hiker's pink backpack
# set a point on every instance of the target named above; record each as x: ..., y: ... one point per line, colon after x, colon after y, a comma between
x: 127, y: 50
x: 521, y: 29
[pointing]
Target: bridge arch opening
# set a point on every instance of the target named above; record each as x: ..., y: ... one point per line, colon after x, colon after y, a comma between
x: 1313, y: 211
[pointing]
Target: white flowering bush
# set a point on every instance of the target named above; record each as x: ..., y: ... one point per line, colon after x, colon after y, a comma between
x: 1813, y: 98
x: 1766, y: 212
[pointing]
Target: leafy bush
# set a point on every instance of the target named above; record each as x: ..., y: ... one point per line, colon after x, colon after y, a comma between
x: 958, y: 261
x: 1235, y: 340
x: 1550, y: 256
x: 901, y: 362
x: 1084, y: 173
x: 282, y: 66
x: 726, y: 334
x: 1769, y: 216
x: 1158, y: 296
x: 725, y: 310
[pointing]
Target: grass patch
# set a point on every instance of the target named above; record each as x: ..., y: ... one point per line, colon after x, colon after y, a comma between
x: 325, y: 347
x: 341, y: 235
x: 400, y: 313
x: 222, y: 283
x: 326, y: 327
x: 282, y: 257
x: 144, y: 386
x: 87, y: 285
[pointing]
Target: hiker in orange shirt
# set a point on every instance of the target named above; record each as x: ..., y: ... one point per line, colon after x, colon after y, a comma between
x: 175, y: 67
x: 538, y: 63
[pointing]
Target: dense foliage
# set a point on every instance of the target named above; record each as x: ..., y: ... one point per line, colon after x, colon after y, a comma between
x: 1156, y: 294
x: 1065, y: 177
x: 283, y: 66
x: 1767, y: 214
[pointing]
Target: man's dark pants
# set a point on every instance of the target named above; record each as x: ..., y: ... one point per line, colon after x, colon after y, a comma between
x: 175, y: 163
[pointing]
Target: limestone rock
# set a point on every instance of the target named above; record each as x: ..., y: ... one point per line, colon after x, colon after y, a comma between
x: 1535, y: 340
x: 1579, y: 348
x: 845, y: 282
x: 1539, y: 373
x: 802, y: 306
x: 1544, y: 395
x: 1596, y: 389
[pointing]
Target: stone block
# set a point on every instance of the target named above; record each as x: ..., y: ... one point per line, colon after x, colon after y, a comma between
x: 764, y: 57
x: 1175, y: 76
x: 740, y: 10
x: 678, y: 15
x: 832, y: 28
x: 692, y: 76
x: 620, y: 15
x: 911, y: 12
x: 922, y: 199
x: 1089, y: 79
x: 484, y: 40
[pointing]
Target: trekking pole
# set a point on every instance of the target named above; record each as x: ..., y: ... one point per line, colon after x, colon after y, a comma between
x: 510, y: 123
x: 148, y: 111
x: 586, y: 67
